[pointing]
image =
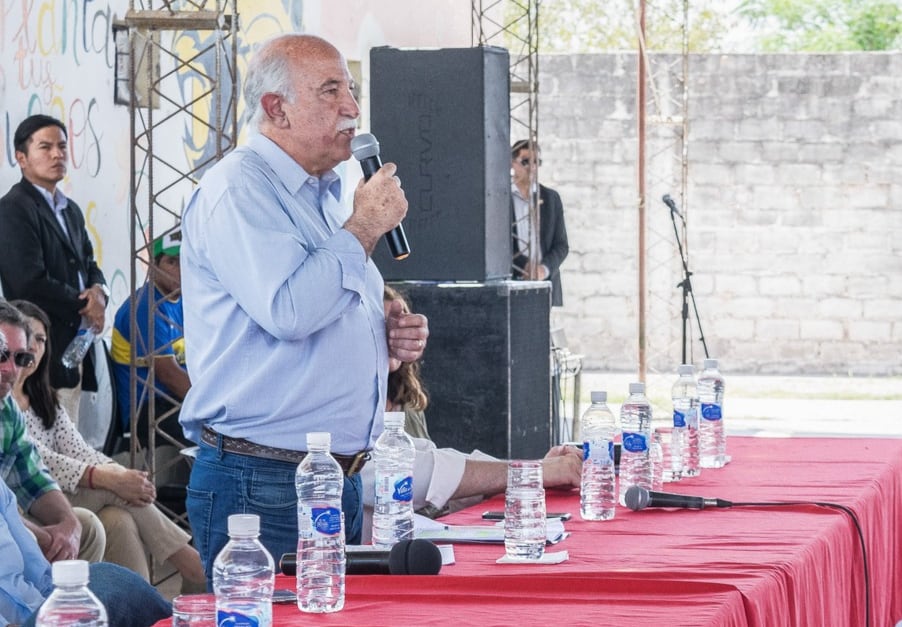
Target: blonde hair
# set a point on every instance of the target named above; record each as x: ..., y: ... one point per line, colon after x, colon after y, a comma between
x: 404, y: 385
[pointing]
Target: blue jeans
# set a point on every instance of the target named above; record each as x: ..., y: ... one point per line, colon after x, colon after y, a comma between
x: 129, y: 600
x: 226, y: 483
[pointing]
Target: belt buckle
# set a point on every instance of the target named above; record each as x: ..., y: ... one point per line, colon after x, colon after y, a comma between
x: 357, y: 463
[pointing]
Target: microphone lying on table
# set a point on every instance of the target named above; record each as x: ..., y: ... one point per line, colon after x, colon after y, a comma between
x: 407, y: 557
x: 637, y: 498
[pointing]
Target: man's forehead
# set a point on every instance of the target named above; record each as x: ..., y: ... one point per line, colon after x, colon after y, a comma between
x: 13, y: 335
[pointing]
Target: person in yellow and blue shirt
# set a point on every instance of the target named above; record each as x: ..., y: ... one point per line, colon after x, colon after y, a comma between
x: 163, y: 285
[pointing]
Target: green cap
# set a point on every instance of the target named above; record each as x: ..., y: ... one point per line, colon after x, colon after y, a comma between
x: 168, y: 244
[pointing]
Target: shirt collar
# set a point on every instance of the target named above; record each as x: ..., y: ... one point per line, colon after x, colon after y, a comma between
x: 57, y: 200
x: 292, y: 175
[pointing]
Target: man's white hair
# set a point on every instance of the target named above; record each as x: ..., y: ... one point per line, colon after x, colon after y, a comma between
x: 267, y: 73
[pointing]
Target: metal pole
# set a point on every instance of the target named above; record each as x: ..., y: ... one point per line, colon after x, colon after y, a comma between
x: 640, y: 99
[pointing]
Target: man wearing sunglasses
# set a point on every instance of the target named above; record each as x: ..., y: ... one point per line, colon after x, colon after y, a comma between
x: 61, y: 532
x: 536, y: 254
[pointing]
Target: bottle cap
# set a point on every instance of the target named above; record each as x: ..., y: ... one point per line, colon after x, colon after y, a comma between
x: 319, y: 438
x: 710, y: 363
x: 70, y: 573
x: 394, y: 418
x: 244, y: 525
x: 686, y: 369
x: 637, y: 388
x: 599, y: 397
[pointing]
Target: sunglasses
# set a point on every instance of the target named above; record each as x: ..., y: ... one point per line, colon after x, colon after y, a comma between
x: 22, y: 359
x: 525, y: 162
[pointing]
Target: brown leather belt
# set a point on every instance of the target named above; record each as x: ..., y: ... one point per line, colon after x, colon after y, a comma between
x: 350, y: 464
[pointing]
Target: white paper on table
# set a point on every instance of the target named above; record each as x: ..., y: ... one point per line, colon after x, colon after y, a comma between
x: 547, y: 558
x: 433, y: 530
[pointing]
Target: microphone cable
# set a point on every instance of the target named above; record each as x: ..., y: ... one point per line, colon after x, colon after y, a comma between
x: 848, y: 511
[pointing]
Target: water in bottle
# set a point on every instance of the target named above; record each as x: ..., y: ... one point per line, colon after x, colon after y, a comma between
x: 656, y: 459
x: 525, y: 530
x: 393, y: 457
x: 685, y: 421
x: 596, y: 491
x: 244, y: 576
x: 321, y: 529
x: 78, y: 347
x: 635, y: 423
x: 71, y: 603
x: 712, y: 437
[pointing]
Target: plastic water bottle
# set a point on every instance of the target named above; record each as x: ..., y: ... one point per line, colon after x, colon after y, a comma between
x: 244, y: 576
x: 596, y: 491
x: 685, y: 421
x: 321, y: 529
x: 712, y: 437
x: 71, y: 603
x: 78, y: 347
x: 393, y: 456
x: 656, y: 459
x: 635, y: 422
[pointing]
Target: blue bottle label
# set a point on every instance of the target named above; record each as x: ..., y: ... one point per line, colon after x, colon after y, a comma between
x: 327, y: 520
x: 599, y: 451
x: 679, y: 418
x: 711, y: 411
x: 403, y: 490
x: 235, y: 619
x: 635, y: 442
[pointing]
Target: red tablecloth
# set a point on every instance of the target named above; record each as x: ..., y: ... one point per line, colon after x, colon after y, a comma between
x: 759, y: 566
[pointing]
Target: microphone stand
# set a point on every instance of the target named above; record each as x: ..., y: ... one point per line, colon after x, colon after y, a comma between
x: 686, y: 284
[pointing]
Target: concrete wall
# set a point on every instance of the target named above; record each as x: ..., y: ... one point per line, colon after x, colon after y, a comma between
x: 794, y: 211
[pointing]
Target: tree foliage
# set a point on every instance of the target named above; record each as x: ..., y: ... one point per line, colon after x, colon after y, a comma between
x: 825, y: 25
x: 573, y: 26
x: 593, y: 25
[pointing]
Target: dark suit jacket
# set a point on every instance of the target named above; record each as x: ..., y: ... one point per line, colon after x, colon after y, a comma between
x: 39, y: 263
x: 552, y: 240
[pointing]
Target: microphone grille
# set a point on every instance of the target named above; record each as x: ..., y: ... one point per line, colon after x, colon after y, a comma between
x: 364, y: 146
x: 415, y: 557
x: 636, y: 498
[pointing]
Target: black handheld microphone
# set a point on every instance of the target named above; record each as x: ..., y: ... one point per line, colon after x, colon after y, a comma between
x: 407, y: 557
x: 669, y: 202
x: 365, y: 148
x: 637, y: 498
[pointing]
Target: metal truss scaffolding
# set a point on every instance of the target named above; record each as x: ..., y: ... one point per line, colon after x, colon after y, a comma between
x: 663, y: 101
x: 514, y: 24
x: 180, y: 87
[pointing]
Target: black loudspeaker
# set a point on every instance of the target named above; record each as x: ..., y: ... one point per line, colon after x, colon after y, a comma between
x: 487, y: 365
x: 443, y: 116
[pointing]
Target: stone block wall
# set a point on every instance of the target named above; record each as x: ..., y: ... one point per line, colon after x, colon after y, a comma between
x: 793, y: 210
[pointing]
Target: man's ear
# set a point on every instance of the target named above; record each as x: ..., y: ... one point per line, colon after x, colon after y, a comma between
x: 272, y: 106
x: 20, y: 157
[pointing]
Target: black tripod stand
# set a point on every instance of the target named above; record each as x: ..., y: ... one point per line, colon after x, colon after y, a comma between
x: 686, y: 283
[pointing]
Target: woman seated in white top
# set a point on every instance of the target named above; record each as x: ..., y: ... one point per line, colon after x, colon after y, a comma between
x: 122, y: 497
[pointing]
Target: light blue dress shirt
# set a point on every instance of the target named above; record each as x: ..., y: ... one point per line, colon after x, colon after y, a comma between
x: 25, y: 578
x: 284, y: 322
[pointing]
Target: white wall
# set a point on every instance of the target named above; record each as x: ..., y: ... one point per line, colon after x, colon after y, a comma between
x: 57, y: 57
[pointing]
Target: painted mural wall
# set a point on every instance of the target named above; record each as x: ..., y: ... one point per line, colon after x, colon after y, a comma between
x: 58, y: 57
